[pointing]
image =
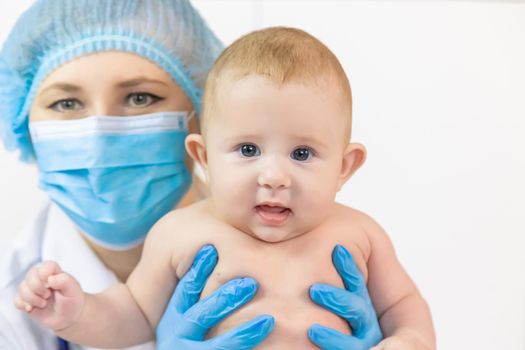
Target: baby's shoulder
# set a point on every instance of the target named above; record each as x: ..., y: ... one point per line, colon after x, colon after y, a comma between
x: 187, y: 217
x: 181, y: 233
x: 354, y: 225
x: 352, y: 217
x: 179, y: 227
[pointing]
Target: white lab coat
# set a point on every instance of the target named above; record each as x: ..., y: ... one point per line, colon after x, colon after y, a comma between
x: 50, y: 236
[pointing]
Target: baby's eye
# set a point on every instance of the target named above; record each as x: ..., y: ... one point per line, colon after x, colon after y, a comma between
x: 66, y: 105
x: 249, y: 150
x: 142, y: 99
x: 302, y: 154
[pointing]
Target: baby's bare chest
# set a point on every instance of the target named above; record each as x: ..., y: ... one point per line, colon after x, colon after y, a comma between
x: 297, y: 262
x: 284, y: 272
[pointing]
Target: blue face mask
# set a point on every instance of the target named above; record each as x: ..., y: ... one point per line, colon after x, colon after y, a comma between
x: 114, y: 176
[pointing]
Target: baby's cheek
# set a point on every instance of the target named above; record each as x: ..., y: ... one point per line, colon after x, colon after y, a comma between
x: 313, y: 210
x: 229, y: 193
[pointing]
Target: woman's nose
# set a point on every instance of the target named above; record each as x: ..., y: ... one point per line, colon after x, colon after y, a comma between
x: 106, y: 103
x: 104, y: 108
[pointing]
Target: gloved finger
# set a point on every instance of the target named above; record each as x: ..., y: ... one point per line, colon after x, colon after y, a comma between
x: 328, y: 338
x: 246, y: 336
x: 215, y: 307
x: 350, y: 274
x: 343, y: 303
x: 191, y: 284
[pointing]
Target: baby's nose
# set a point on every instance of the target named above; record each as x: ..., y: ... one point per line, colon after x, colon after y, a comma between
x: 274, y: 174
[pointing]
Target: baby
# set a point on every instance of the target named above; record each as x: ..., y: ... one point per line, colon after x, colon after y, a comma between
x: 275, y: 150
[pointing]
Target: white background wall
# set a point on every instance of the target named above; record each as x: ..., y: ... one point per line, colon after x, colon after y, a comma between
x: 439, y: 90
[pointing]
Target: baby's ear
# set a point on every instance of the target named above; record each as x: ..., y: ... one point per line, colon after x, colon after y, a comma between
x: 353, y: 157
x: 197, y: 150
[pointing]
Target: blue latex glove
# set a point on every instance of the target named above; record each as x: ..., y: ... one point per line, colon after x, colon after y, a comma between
x: 352, y: 303
x: 186, y: 319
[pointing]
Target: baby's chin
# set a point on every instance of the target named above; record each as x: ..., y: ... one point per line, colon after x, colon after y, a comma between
x: 269, y: 233
x: 273, y: 234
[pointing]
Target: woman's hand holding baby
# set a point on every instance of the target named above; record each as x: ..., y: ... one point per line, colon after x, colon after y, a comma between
x: 51, y: 296
x: 351, y: 303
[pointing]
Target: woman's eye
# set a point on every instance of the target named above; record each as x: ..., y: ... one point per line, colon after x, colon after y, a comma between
x: 249, y: 150
x: 142, y: 99
x: 302, y: 154
x: 66, y: 105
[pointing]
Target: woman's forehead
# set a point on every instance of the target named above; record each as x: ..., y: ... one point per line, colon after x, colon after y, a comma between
x: 116, y: 67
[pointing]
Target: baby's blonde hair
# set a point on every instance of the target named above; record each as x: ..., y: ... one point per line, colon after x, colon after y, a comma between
x: 282, y: 55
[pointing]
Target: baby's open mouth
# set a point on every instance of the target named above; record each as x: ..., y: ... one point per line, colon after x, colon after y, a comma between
x: 273, y: 215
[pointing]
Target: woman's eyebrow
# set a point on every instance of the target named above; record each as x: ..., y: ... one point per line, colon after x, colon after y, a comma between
x: 138, y: 81
x: 66, y: 87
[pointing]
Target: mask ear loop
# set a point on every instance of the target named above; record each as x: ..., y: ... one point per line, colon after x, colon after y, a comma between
x: 187, y: 119
x: 190, y: 116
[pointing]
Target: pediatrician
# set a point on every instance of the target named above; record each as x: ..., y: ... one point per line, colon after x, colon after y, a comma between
x: 101, y: 95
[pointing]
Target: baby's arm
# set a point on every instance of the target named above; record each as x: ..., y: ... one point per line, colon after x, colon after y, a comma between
x: 403, y: 313
x: 120, y: 316
x: 55, y: 299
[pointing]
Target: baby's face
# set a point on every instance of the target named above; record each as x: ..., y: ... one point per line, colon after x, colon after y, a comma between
x: 275, y: 156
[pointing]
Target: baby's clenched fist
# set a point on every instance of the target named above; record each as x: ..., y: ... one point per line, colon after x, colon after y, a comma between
x: 50, y: 296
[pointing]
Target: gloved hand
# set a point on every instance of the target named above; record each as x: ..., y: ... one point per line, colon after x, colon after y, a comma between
x: 352, y: 303
x: 186, y: 319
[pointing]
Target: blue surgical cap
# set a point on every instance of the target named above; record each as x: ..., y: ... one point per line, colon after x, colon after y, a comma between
x: 170, y: 33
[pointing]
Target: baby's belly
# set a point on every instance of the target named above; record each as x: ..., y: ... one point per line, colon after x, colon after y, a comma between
x: 293, y: 313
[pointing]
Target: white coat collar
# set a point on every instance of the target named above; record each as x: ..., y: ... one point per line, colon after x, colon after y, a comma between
x: 64, y: 244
